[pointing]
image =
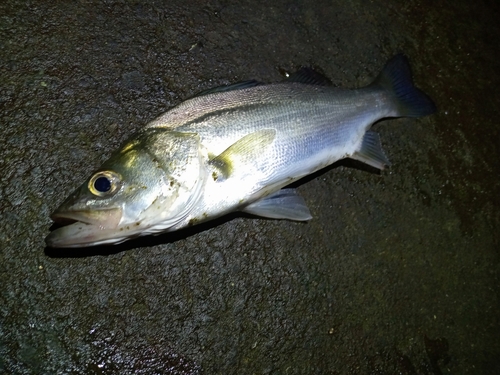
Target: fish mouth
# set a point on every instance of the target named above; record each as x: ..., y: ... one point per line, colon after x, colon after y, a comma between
x: 108, y: 218
x: 85, y: 228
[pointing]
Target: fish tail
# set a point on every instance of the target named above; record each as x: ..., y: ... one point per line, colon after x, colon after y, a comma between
x: 408, y: 100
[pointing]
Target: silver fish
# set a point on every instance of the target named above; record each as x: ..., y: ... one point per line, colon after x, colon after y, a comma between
x: 233, y: 149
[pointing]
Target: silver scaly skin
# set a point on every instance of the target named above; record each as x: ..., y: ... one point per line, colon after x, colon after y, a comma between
x: 233, y: 149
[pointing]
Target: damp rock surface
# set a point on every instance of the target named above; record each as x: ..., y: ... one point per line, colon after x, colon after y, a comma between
x: 398, y: 272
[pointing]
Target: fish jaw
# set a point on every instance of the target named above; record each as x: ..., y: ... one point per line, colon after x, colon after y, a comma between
x: 86, y: 228
x: 84, y: 235
x: 104, y: 218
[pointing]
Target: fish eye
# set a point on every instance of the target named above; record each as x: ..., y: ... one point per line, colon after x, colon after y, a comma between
x: 104, y: 183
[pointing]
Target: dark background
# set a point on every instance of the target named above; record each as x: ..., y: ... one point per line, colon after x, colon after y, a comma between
x: 398, y: 272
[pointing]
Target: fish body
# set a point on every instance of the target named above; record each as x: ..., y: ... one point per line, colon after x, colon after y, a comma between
x: 234, y: 149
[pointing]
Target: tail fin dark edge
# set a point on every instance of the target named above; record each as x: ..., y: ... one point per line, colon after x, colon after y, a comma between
x: 396, y: 78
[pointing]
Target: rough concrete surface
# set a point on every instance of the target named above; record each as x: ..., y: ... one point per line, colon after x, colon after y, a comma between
x: 398, y: 272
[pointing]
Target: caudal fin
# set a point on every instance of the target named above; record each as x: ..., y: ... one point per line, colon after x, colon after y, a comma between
x: 408, y: 100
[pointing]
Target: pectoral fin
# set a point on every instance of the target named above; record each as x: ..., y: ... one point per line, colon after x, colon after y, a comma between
x: 283, y: 204
x: 242, y: 153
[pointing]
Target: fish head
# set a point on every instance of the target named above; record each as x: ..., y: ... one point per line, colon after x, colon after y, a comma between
x: 146, y: 187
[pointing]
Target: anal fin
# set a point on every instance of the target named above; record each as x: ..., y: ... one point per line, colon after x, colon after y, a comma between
x: 370, y: 151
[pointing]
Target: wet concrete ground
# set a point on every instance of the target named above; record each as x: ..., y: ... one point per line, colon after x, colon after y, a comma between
x: 397, y: 273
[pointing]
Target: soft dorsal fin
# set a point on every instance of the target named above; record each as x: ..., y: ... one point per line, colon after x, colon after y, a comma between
x: 309, y: 76
x: 304, y: 75
x: 235, y: 86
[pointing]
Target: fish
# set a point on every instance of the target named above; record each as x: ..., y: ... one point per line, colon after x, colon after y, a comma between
x: 234, y: 148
